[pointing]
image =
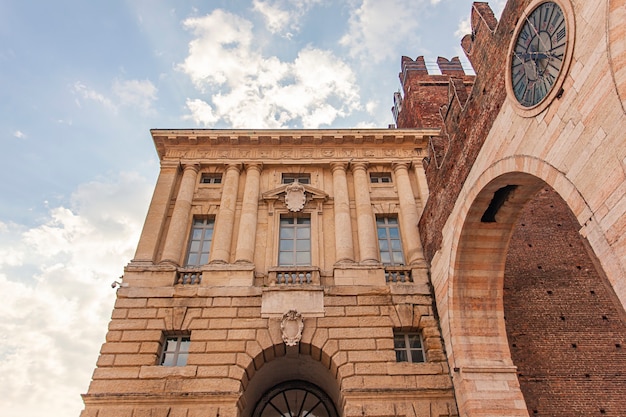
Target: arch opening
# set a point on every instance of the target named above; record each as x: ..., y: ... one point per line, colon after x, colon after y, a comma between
x: 515, y: 309
x: 295, y: 399
x: 563, y: 320
x: 293, y: 371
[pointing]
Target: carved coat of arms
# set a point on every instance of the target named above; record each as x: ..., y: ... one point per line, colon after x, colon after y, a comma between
x: 291, y: 327
x: 294, y: 196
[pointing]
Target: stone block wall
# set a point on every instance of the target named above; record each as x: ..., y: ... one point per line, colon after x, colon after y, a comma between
x: 351, y: 346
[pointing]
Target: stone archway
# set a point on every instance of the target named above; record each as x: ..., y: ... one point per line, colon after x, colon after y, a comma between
x: 469, y: 286
x: 616, y: 14
x: 293, y: 366
x: 483, y: 372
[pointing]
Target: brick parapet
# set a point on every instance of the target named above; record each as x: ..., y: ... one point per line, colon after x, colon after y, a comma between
x: 424, y: 92
x: 467, y: 121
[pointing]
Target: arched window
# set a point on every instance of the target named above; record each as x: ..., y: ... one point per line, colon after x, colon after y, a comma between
x: 295, y: 399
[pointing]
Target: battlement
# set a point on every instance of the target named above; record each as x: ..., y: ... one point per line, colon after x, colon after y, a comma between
x: 451, y: 67
x: 426, y: 92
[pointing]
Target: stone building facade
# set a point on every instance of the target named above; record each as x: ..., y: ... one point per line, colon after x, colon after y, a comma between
x: 278, y: 257
x: 470, y: 262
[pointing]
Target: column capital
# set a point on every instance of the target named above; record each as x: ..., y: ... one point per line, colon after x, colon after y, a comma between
x: 359, y: 166
x: 397, y: 166
x: 190, y: 165
x: 237, y: 166
x: 334, y: 166
x: 256, y: 166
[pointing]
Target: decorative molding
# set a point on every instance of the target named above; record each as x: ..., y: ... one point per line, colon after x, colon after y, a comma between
x: 240, y: 144
x: 291, y: 327
x: 294, y: 196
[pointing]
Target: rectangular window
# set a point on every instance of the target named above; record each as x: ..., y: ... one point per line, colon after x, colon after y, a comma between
x: 175, y: 350
x: 211, y: 178
x: 294, y: 241
x: 200, y: 241
x: 408, y: 347
x: 380, y: 177
x: 389, y: 242
x: 301, y: 178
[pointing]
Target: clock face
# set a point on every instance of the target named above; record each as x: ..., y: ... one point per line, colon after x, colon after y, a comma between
x: 538, y: 53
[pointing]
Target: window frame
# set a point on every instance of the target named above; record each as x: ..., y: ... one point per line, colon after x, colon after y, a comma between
x: 206, y: 222
x: 407, y: 349
x: 181, y: 340
x: 215, y: 178
x: 378, y: 178
x: 389, y: 240
x: 290, y: 178
x: 294, y: 251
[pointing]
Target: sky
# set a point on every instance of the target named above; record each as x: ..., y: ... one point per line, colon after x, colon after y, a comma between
x: 83, y: 82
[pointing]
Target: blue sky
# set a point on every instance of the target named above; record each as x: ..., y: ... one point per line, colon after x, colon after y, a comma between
x: 82, y: 84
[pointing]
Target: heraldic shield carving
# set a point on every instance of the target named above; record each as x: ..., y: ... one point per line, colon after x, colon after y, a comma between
x: 291, y: 327
x: 294, y: 196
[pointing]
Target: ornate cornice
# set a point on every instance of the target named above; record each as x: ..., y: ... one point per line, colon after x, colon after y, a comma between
x: 203, y: 139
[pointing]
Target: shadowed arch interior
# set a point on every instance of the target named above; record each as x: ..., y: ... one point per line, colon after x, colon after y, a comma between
x: 293, y: 366
x: 546, y: 309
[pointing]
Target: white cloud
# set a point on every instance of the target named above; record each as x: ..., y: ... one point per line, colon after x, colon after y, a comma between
x: 19, y: 134
x: 56, y: 294
x: 283, y: 15
x: 249, y: 90
x: 85, y: 92
x: 137, y: 94
x: 377, y: 30
x: 464, y: 28
x: 201, y: 112
x: 276, y: 19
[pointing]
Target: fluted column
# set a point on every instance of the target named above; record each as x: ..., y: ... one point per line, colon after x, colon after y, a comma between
x: 249, y: 214
x: 409, y: 216
x: 177, y: 232
x: 225, y: 220
x: 366, y: 227
x: 344, y: 247
x: 157, y: 213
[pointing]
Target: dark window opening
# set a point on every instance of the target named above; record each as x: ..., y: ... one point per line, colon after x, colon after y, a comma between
x: 380, y: 177
x: 408, y: 347
x: 211, y: 179
x: 301, y: 178
x: 498, y: 200
x: 175, y: 350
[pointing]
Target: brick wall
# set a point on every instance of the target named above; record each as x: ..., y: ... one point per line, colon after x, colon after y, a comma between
x: 424, y: 93
x: 564, y: 324
x: 467, y: 123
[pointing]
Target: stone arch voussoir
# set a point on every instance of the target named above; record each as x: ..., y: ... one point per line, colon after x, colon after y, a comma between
x: 474, y: 322
x: 271, y: 363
